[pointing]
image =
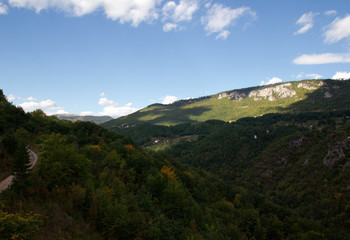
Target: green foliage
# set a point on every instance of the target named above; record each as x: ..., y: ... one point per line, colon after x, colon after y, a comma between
x: 91, y: 183
x: 20, y: 165
x: 61, y: 165
x: 19, y: 225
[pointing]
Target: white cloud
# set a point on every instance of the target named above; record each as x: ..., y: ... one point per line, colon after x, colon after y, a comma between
x: 341, y: 76
x: 306, y: 21
x: 309, y: 59
x: 102, y: 94
x: 3, y: 8
x: 330, y: 12
x: 110, y: 108
x: 11, y: 98
x: 106, y: 103
x: 218, y: 18
x: 180, y: 12
x: 309, y: 76
x: 169, y: 27
x: 300, y: 75
x: 338, y: 29
x: 115, y: 111
x: 271, y: 81
x: 314, y: 76
x: 48, y: 106
x: 60, y: 112
x: 207, y: 5
x: 168, y: 99
x: 133, y: 11
x: 223, y: 35
x: 30, y: 99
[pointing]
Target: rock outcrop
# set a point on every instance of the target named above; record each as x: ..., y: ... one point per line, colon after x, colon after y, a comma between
x: 235, y: 95
x: 274, y: 92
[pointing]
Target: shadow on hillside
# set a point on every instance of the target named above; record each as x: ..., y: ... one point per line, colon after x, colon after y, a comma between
x: 332, y: 96
x: 170, y: 115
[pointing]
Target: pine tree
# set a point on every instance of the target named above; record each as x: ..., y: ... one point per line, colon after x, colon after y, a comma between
x: 19, y: 168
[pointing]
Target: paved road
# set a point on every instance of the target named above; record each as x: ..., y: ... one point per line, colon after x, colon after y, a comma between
x: 33, y: 159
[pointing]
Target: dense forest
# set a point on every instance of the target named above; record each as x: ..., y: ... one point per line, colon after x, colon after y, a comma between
x: 298, y: 161
x: 92, y: 183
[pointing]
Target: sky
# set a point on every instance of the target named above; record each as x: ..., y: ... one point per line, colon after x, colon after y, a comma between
x: 114, y: 57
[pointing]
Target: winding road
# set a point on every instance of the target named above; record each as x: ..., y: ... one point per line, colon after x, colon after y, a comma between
x: 7, y: 182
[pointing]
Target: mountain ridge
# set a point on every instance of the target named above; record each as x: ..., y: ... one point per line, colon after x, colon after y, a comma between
x: 87, y: 118
x: 231, y: 105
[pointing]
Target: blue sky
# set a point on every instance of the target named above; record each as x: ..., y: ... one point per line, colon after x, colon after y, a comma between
x: 112, y: 57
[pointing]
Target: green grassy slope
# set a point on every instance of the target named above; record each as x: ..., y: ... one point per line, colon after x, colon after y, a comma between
x: 300, y: 96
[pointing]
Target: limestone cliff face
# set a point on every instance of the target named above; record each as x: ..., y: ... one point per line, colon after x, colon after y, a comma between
x: 235, y: 95
x: 269, y: 92
x: 310, y: 85
x: 278, y: 91
x: 274, y: 92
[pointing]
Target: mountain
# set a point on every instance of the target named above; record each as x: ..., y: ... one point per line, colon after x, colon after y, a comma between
x: 92, y: 183
x: 290, y: 97
x: 94, y: 119
x: 289, y: 142
x: 296, y: 160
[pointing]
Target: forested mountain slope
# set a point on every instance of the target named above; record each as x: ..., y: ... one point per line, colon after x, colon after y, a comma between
x: 290, y: 97
x: 299, y: 161
x: 91, y: 183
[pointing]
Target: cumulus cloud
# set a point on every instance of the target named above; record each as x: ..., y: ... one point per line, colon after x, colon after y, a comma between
x: 3, y: 8
x: 271, y: 81
x: 48, y: 106
x: 105, y: 102
x: 169, y: 27
x: 11, y: 98
x: 309, y: 76
x: 338, y: 30
x: 133, y: 11
x: 306, y: 21
x: 168, y: 99
x: 115, y: 111
x: 111, y: 108
x: 61, y: 112
x: 324, y: 58
x: 330, y: 12
x: 183, y: 11
x: 341, y: 76
x: 219, y: 18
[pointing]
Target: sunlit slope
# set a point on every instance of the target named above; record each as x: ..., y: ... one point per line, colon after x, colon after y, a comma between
x: 299, y: 96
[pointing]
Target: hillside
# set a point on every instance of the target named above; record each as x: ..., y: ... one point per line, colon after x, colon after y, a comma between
x: 300, y: 161
x: 74, y: 118
x: 91, y: 183
x: 291, y: 97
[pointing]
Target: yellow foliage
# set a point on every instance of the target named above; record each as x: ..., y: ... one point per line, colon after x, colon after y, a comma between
x: 95, y: 147
x: 16, y: 236
x: 130, y: 147
x: 168, y: 171
x: 19, y: 225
